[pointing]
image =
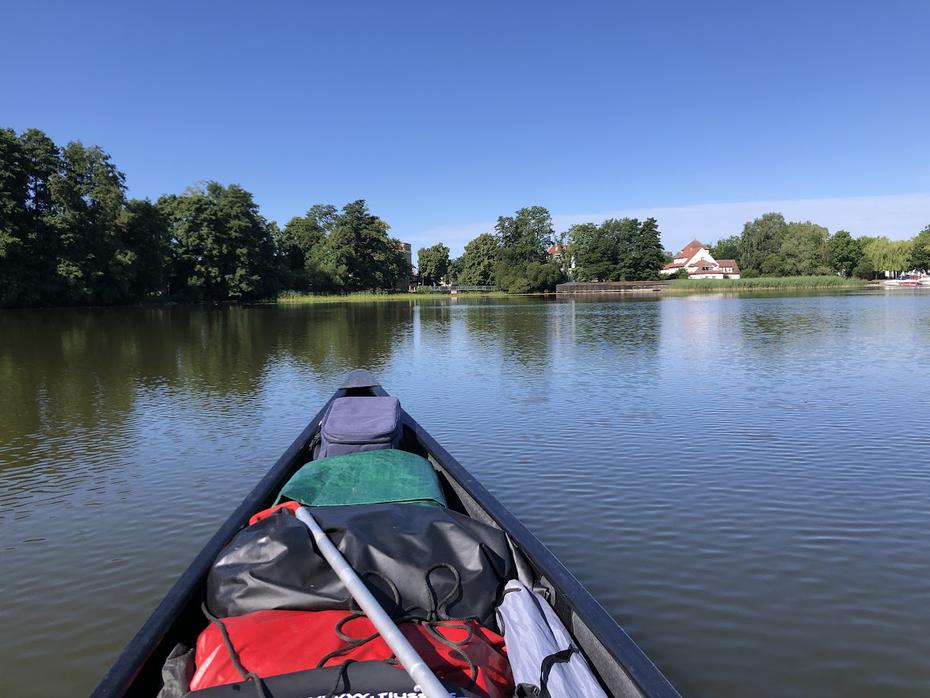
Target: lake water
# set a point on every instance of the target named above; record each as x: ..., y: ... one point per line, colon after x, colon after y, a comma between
x: 743, y: 482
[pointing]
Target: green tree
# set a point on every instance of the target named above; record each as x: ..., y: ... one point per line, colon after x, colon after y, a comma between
x: 622, y: 249
x: 879, y: 254
x: 646, y: 253
x: 804, y: 250
x: 524, y: 238
x: 920, y: 251
x: 359, y: 255
x: 223, y: 246
x: 727, y: 248
x: 143, y: 251
x: 479, y: 261
x: 433, y: 264
x: 87, y: 195
x: 845, y: 253
x: 455, y: 269
x: 300, y: 245
x: 17, y: 247
x: 760, y: 244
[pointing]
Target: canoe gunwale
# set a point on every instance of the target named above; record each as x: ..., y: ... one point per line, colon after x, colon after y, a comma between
x: 122, y: 675
x: 577, y: 608
x: 633, y: 674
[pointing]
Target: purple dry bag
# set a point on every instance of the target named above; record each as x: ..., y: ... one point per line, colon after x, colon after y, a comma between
x: 360, y: 424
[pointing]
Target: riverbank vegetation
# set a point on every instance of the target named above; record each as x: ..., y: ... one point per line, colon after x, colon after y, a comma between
x: 771, y: 246
x: 763, y: 283
x: 293, y: 298
x: 70, y: 236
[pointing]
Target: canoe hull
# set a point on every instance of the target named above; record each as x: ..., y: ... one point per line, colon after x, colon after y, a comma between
x: 622, y: 666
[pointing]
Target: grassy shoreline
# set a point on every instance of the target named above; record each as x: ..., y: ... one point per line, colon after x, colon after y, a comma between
x: 775, y: 283
x: 762, y: 283
x: 309, y: 298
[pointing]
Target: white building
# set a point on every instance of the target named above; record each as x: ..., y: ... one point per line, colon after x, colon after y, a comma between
x: 697, y: 260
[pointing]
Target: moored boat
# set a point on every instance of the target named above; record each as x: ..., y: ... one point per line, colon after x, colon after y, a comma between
x: 908, y: 281
x: 440, y: 553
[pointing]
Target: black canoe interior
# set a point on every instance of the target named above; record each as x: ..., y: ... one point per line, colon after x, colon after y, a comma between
x: 622, y: 667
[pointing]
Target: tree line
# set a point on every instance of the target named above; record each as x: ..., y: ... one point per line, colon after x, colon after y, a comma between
x: 70, y: 236
x: 772, y: 246
x: 516, y: 257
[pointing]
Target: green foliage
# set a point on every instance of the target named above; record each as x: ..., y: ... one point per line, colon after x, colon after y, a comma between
x: 359, y: 255
x: 760, y: 244
x: 299, y: 246
x: 456, y: 266
x: 920, y: 253
x: 764, y: 283
x: 524, y: 238
x: 617, y: 250
x: 727, y: 248
x: 144, y: 247
x: 223, y: 248
x: 845, y: 253
x: 804, y: 250
x: 433, y: 264
x: 880, y: 254
x: 479, y: 261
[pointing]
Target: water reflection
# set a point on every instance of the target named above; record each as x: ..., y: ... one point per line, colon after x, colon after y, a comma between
x: 733, y: 477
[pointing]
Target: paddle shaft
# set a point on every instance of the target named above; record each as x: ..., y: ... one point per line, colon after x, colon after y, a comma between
x: 412, y: 662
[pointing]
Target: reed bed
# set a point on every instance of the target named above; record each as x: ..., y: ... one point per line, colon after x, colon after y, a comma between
x: 765, y: 283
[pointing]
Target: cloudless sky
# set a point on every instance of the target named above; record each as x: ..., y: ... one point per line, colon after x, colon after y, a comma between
x: 444, y: 115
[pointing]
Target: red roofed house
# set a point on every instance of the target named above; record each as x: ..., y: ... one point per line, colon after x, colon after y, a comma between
x: 697, y: 260
x: 556, y: 251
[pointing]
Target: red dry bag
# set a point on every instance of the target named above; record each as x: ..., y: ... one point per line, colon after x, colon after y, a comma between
x: 270, y: 643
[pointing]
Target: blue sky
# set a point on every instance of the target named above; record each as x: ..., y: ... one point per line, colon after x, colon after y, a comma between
x: 444, y: 115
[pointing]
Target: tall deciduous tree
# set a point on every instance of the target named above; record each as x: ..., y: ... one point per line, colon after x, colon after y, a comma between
x: 479, y: 260
x: 845, y: 253
x: 87, y: 195
x: 804, y: 250
x: 142, y: 258
x: 524, y: 238
x: 879, y: 254
x: 623, y: 249
x: 224, y: 248
x: 727, y: 248
x: 300, y: 246
x: 359, y: 254
x: 432, y: 264
x: 760, y: 244
x: 920, y: 252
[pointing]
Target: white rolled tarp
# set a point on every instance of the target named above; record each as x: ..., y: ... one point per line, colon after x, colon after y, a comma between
x: 541, y: 652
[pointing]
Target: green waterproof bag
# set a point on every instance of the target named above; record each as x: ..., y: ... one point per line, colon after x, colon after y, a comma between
x: 365, y: 477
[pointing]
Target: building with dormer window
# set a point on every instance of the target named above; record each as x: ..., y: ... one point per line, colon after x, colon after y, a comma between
x: 695, y: 258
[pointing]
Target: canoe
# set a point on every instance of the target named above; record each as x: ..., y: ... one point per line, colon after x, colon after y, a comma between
x: 618, y: 663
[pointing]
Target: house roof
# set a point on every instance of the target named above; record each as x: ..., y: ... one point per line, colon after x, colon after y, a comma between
x: 672, y: 265
x: 557, y: 249
x: 698, y: 272
x: 729, y: 263
x: 691, y: 249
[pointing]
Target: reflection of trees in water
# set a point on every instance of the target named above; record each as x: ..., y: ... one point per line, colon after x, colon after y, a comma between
x: 82, y: 368
x: 773, y: 328
x: 519, y: 330
x: 331, y: 339
x: 625, y: 326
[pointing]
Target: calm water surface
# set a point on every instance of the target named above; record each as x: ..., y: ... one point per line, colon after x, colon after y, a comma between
x: 742, y: 482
